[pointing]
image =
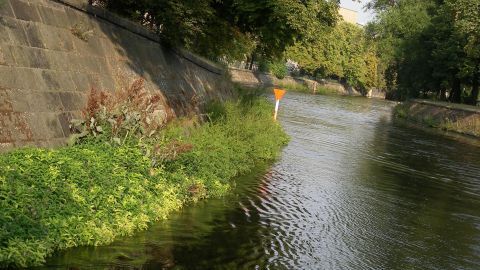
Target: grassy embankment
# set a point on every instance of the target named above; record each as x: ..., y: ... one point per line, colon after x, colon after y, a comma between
x: 298, y: 87
x: 459, y: 118
x: 117, y: 179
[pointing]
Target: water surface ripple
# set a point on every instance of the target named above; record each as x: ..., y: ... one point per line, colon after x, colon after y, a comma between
x: 352, y: 190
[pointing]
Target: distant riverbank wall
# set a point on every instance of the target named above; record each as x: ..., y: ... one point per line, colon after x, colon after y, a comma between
x: 453, y: 117
x: 53, y: 52
x: 248, y: 78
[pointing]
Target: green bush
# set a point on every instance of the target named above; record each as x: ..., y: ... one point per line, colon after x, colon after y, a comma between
x: 277, y: 68
x: 95, y: 191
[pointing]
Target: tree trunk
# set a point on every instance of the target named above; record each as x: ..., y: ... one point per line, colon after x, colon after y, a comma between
x: 456, y: 95
x: 247, y: 63
x: 251, y: 61
x: 474, y: 94
x: 443, y: 94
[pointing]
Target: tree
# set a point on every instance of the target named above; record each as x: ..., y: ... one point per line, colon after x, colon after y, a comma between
x: 342, y: 52
x: 429, y: 47
x: 467, y: 23
x: 216, y: 28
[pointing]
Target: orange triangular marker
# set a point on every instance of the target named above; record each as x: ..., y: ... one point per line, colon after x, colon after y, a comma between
x: 279, y: 93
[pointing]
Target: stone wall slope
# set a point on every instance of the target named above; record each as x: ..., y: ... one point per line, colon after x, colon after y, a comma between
x: 53, y: 52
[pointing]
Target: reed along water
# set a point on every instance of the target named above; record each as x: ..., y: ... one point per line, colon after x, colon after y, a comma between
x: 352, y: 190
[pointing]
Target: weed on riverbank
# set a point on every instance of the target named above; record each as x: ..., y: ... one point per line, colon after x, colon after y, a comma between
x: 99, y: 189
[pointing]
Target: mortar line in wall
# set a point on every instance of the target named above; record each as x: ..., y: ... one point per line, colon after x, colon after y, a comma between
x: 136, y: 33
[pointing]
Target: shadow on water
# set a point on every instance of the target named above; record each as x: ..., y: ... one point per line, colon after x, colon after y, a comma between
x: 425, y: 193
x: 352, y: 190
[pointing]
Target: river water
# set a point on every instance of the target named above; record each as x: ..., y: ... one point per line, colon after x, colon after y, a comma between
x: 352, y: 190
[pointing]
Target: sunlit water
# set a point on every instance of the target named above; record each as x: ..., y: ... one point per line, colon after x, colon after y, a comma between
x: 352, y: 190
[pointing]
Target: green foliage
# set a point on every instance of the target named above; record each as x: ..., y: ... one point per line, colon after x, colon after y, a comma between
x: 230, y: 29
x: 429, y: 48
x: 94, y: 191
x: 276, y: 67
x: 342, y: 53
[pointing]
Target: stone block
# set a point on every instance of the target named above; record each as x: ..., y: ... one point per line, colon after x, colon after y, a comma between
x: 16, y: 32
x: 88, y: 64
x: 91, y: 47
x: 31, y: 79
x: 18, y: 100
x: 6, y: 9
x: 81, y: 81
x: 5, y: 101
x: 44, y: 102
x: 14, y: 127
x: 52, y: 4
x: 34, y: 37
x: 9, y: 78
x: 44, y: 126
x: 73, y: 101
x: 4, y: 36
x: 65, y: 119
x: 57, y: 38
x: 52, y: 16
x: 94, y: 81
x: 24, y: 11
x: 58, y: 61
x: 108, y: 84
x: 30, y: 57
x: 57, y: 81
x: 6, y: 55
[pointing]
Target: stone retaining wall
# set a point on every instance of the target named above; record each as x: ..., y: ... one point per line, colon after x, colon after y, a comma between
x: 53, y: 52
x: 458, y: 118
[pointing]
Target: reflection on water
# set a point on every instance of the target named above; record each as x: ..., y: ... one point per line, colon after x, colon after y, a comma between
x: 352, y: 191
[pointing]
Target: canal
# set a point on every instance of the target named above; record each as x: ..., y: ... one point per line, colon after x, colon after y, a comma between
x: 352, y: 190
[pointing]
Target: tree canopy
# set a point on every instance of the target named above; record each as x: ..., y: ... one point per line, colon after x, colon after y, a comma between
x: 342, y: 53
x: 429, y: 48
x: 230, y: 28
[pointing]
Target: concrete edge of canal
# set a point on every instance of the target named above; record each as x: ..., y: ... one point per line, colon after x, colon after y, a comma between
x: 458, y: 118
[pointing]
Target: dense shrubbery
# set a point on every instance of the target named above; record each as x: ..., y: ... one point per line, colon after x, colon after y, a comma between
x: 96, y: 190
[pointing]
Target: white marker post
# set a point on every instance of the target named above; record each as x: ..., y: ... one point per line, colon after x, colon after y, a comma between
x: 279, y: 93
x: 277, y: 103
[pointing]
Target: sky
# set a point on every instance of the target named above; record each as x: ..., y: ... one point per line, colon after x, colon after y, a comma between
x: 363, y: 17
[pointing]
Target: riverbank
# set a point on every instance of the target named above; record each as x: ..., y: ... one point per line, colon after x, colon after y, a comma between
x: 97, y: 190
x: 248, y: 78
x: 459, y: 118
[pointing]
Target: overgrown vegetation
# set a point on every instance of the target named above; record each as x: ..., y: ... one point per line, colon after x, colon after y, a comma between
x: 99, y: 188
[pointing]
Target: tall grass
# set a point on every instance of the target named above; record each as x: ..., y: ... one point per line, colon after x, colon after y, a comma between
x: 96, y: 190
